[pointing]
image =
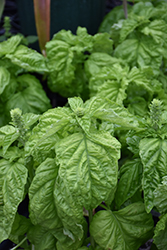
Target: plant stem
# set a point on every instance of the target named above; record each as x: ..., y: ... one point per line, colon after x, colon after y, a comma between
x: 125, y: 8
x: 21, y: 242
x: 92, y: 242
x: 42, y: 21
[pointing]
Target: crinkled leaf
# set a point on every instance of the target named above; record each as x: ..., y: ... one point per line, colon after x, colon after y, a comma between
x: 130, y: 24
x: 82, y: 115
x: 4, y: 78
x: 144, y: 9
x: 156, y: 29
x: 130, y: 181
x: 41, y: 238
x: 154, y: 158
x: 133, y: 143
x: 10, y: 89
x: 52, y: 124
x: 29, y: 119
x: 8, y: 130
x: 97, y: 60
x: 10, y: 45
x: 138, y: 77
x: 103, y: 43
x: 13, y: 178
x: 9, y: 139
x: 113, y: 90
x: 30, y: 100
x: 141, y: 52
x: 160, y: 199
x: 125, y: 229
x: 160, y: 233
x: 41, y: 193
x: 88, y: 166
x: 20, y: 227
x: 12, y: 153
x: 28, y: 59
x: 4, y: 233
x: 71, y: 214
x: 107, y: 110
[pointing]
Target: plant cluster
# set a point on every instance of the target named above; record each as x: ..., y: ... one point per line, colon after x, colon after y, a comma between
x: 105, y: 150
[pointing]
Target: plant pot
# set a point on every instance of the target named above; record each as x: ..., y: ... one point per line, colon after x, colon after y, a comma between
x: 64, y: 15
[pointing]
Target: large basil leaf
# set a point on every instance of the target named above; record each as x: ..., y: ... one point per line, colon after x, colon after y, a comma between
x: 13, y: 178
x: 30, y: 97
x: 130, y: 24
x: 130, y: 181
x: 88, y: 166
x: 71, y: 235
x: 41, y: 193
x: 160, y: 199
x: 107, y: 110
x: 154, y: 158
x: 141, y: 52
x: 125, y: 229
x: 103, y: 43
x: 20, y: 227
x: 156, y: 29
x: 4, y: 78
x: 53, y: 124
x: 160, y: 233
x: 28, y: 59
x: 41, y: 238
x: 10, y: 45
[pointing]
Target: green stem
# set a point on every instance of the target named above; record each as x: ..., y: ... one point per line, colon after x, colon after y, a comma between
x: 18, y: 245
x: 125, y: 8
x: 92, y: 242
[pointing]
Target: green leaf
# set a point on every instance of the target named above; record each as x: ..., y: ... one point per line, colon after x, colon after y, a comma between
x: 130, y: 181
x: 30, y: 100
x: 28, y: 59
x: 71, y: 214
x: 13, y: 177
x: 97, y: 60
x: 10, y: 89
x: 103, y: 43
x: 9, y: 139
x: 88, y: 166
x: 53, y: 124
x: 112, y: 17
x: 125, y: 229
x: 12, y: 153
x: 130, y: 24
x: 8, y: 130
x: 160, y: 200
x: 113, y: 90
x: 41, y: 238
x: 156, y: 29
x: 141, y: 52
x: 4, y: 79
x: 107, y: 110
x: 154, y: 158
x: 160, y: 233
x: 20, y: 227
x: 9, y: 46
x: 41, y: 193
x: 29, y: 119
